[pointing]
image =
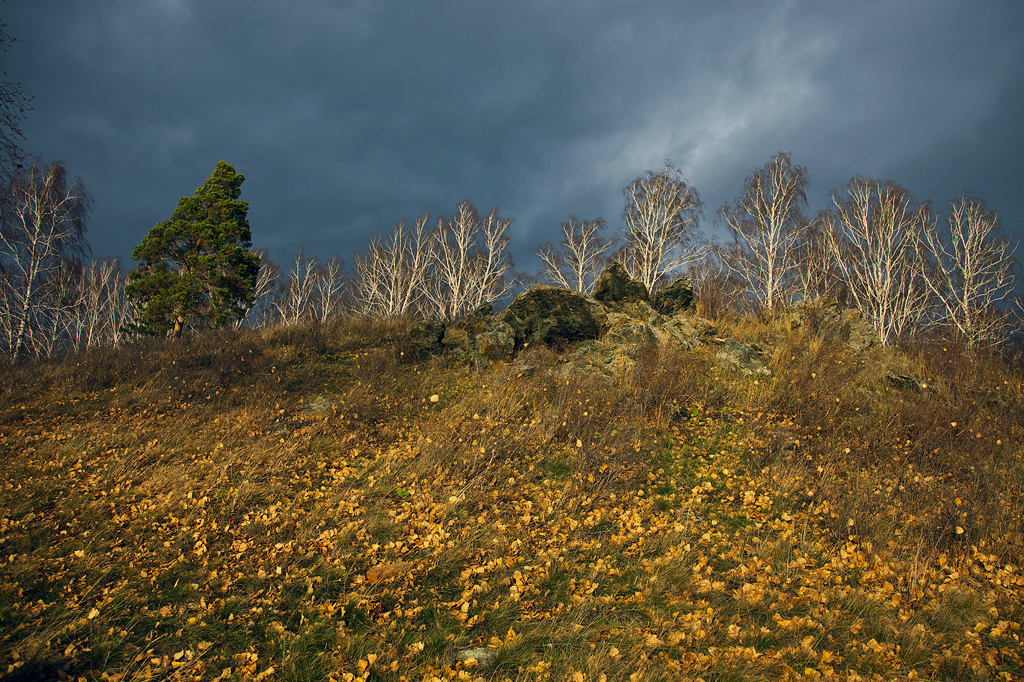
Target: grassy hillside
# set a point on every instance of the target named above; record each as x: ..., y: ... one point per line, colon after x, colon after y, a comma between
x: 306, y: 504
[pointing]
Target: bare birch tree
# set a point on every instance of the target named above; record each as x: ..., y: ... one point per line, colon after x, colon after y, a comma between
x: 817, y: 276
x: 716, y: 292
x: 469, y: 263
x: 580, y: 258
x: 972, y: 271
x: 98, y: 309
x: 391, y: 277
x: 42, y: 233
x: 297, y: 296
x: 874, y: 237
x: 329, y: 286
x: 57, y: 311
x: 768, y: 224
x: 662, y: 217
x: 264, y: 303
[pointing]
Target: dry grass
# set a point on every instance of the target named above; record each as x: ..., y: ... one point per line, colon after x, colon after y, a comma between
x: 293, y: 505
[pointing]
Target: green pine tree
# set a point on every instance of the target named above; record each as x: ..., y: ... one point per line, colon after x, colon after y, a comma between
x: 197, y: 264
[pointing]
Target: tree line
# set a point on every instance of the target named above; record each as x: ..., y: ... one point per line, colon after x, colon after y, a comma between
x: 875, y: 248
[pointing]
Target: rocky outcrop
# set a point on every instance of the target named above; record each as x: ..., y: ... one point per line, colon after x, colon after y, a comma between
x: 683, y: 332
x: 425, y: 339
x: 739, y: 357
x: 617, y: 320
x: 826, y: 317
x: 675, y: 298
x: 553, y: 317
x: 614, y: 285
x: 858, y: 332
x: 622, y: 328
x: 492, y: 341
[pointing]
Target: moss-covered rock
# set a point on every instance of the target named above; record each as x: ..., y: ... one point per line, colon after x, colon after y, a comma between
x: 425, y: 338
x: 621, y: 328
x: 488, y: 339
x: 741, y: 358
x: 495, y: 346
x: 827, y: 318
x: 675, y: 298
x: 553, y: 316
x: 614, y: 285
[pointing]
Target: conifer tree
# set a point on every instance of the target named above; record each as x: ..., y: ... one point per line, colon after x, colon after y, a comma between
x: 197, y: 265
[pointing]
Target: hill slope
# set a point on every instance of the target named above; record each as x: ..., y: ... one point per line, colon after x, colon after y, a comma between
x: 301, y: 504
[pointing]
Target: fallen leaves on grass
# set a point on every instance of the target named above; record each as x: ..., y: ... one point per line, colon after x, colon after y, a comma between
x: 140, y: 547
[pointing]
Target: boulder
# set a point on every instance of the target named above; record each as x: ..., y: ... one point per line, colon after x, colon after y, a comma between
x: 489, y: 339
x: 638, y: 322
x: 611, y: 360
x: 614, y: 285
x: 705, y: 329
x: 679, y: 332
x: 553, y: 316
x: 739, y: 357
x: 480, y: 321
x: 622, y: 328
x: 826, y: 317
x: 425, y: 339
x: 495, y: 346
x: 858, y: 333
x: 675, y: 298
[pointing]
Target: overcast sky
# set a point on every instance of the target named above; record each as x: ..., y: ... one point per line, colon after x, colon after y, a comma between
x: 347, y: 115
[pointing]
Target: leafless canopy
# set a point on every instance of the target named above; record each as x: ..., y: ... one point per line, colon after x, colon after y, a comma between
x: 874, y: 237
x: 768, y: 225
x: 442, y: 272
x: 662, y: 217
x: 96, y: 309
x: 390, y: 278
x: 469, y: 263
x: 264, y: 301
x: 817, y: 275
x: 313, y: 291
x: 580, y: 256
x: 42, y: 233
x: 972, y: 270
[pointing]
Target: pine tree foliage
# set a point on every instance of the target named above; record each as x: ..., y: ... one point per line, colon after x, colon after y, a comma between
x: 197, y: 266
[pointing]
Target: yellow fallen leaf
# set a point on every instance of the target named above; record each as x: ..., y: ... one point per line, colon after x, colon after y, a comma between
x: 388, y: 571
x: 93, y: 613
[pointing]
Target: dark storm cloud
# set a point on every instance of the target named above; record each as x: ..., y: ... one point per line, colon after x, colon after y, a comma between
x: 346, y: 116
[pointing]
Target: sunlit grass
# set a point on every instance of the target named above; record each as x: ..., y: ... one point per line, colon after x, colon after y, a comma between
x: 291, y: 504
